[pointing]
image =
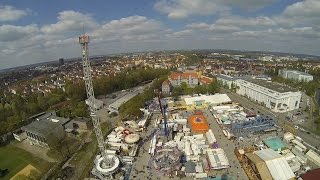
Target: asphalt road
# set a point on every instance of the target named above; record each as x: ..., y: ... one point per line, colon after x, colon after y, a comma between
x: 310, y: 139
x: 228, y: 146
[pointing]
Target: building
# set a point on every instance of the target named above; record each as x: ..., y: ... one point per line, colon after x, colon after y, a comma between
x: 295, y: 75
x: 78, y: 124
x: 226, y: 80
x: 45, y: 130
x: 204, y: 101
x: 19, y: 135
x: 61, y: 61
x: 276, y: 97
x: 190, y: 78
x: 166, y: 87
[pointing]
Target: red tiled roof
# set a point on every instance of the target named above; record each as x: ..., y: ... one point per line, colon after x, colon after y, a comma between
x: 205, y: 80
x: 175, y: 76
x: 166, y: 82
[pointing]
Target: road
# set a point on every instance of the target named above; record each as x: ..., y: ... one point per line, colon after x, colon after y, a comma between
x: 228, y: 146
x: 310, y: 139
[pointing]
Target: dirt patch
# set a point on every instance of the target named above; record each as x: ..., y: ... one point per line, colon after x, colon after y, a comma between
x: 25, y: 171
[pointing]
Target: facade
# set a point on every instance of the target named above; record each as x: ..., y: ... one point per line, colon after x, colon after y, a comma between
x: 166, y: 87
x: 190, y: 78
x: 226, y: 80
x: 276, y: 97
x: 19, y: 135
x: 295, y: 75
x: 44, y: 131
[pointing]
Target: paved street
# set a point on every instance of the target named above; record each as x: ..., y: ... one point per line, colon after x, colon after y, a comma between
x: 228, y: 147
x: 311, y: 138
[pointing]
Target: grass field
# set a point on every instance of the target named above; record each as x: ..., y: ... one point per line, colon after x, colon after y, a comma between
x: 14, y: 159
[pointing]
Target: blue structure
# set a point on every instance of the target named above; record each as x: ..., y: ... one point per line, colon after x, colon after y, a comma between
x: 257, y: 125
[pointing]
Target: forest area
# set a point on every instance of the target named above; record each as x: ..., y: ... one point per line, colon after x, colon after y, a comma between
x: 15, y: 110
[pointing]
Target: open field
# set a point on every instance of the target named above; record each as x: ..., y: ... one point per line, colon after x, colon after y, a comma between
x: 15, y: 159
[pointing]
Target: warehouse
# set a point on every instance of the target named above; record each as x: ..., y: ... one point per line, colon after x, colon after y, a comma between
x: 276, y: 97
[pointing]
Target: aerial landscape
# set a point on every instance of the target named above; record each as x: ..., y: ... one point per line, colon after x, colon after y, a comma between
x: 160, y: 89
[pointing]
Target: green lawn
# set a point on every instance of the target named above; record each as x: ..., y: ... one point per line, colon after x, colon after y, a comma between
x: 14, y: 159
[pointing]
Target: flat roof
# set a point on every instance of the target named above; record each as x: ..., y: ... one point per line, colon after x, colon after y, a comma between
x: 273, y: 86
x: 212, y: 99
x: 44, y: 127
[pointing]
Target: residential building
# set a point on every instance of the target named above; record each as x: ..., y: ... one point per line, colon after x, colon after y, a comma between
x: 190, y: 78
x: 276, y: 97
x: 45, y: 130
x: 295, y: 75
x: 166, y: 87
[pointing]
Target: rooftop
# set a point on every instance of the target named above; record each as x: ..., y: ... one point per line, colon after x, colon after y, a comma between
x: 273, y: 86
x: 44, y: 127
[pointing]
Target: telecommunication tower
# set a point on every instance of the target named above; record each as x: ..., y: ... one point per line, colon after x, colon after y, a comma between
x: 107, y: 163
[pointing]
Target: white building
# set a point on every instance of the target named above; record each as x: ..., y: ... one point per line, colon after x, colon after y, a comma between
x: 277, y: 97
x: 295, y: 75
x: 190, y: 78
x: 226, y: 80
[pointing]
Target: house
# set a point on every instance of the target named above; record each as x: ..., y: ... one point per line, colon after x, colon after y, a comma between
x: 166, y: 87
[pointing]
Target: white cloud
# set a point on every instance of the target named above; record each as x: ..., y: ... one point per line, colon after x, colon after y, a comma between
x: 245, y: 22
x: 250, y: 5
x: 213, y: 27
x: 129, y: 28
x: 70, y: 22
x: 14, y: 33
x: 9, y: 13
x: 179, y: 9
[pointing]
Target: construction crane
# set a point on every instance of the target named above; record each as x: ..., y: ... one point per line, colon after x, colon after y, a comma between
x: 91, y: 101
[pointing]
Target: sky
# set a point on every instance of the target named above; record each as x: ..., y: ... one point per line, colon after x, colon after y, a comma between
x: 38, y: 31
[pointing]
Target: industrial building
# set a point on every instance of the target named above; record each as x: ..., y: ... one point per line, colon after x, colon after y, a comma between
x: 229, y: 81
x: 276, y: 97
x: 295, y: 75
x: 46, y: 129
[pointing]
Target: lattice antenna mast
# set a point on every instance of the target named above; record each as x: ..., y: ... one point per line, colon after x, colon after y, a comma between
x: 84, y: 42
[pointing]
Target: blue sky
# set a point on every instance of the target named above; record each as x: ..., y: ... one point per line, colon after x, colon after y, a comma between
x: 38, y: 31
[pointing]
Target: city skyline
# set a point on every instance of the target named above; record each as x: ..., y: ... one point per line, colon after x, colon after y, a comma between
x: 32, y: 33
